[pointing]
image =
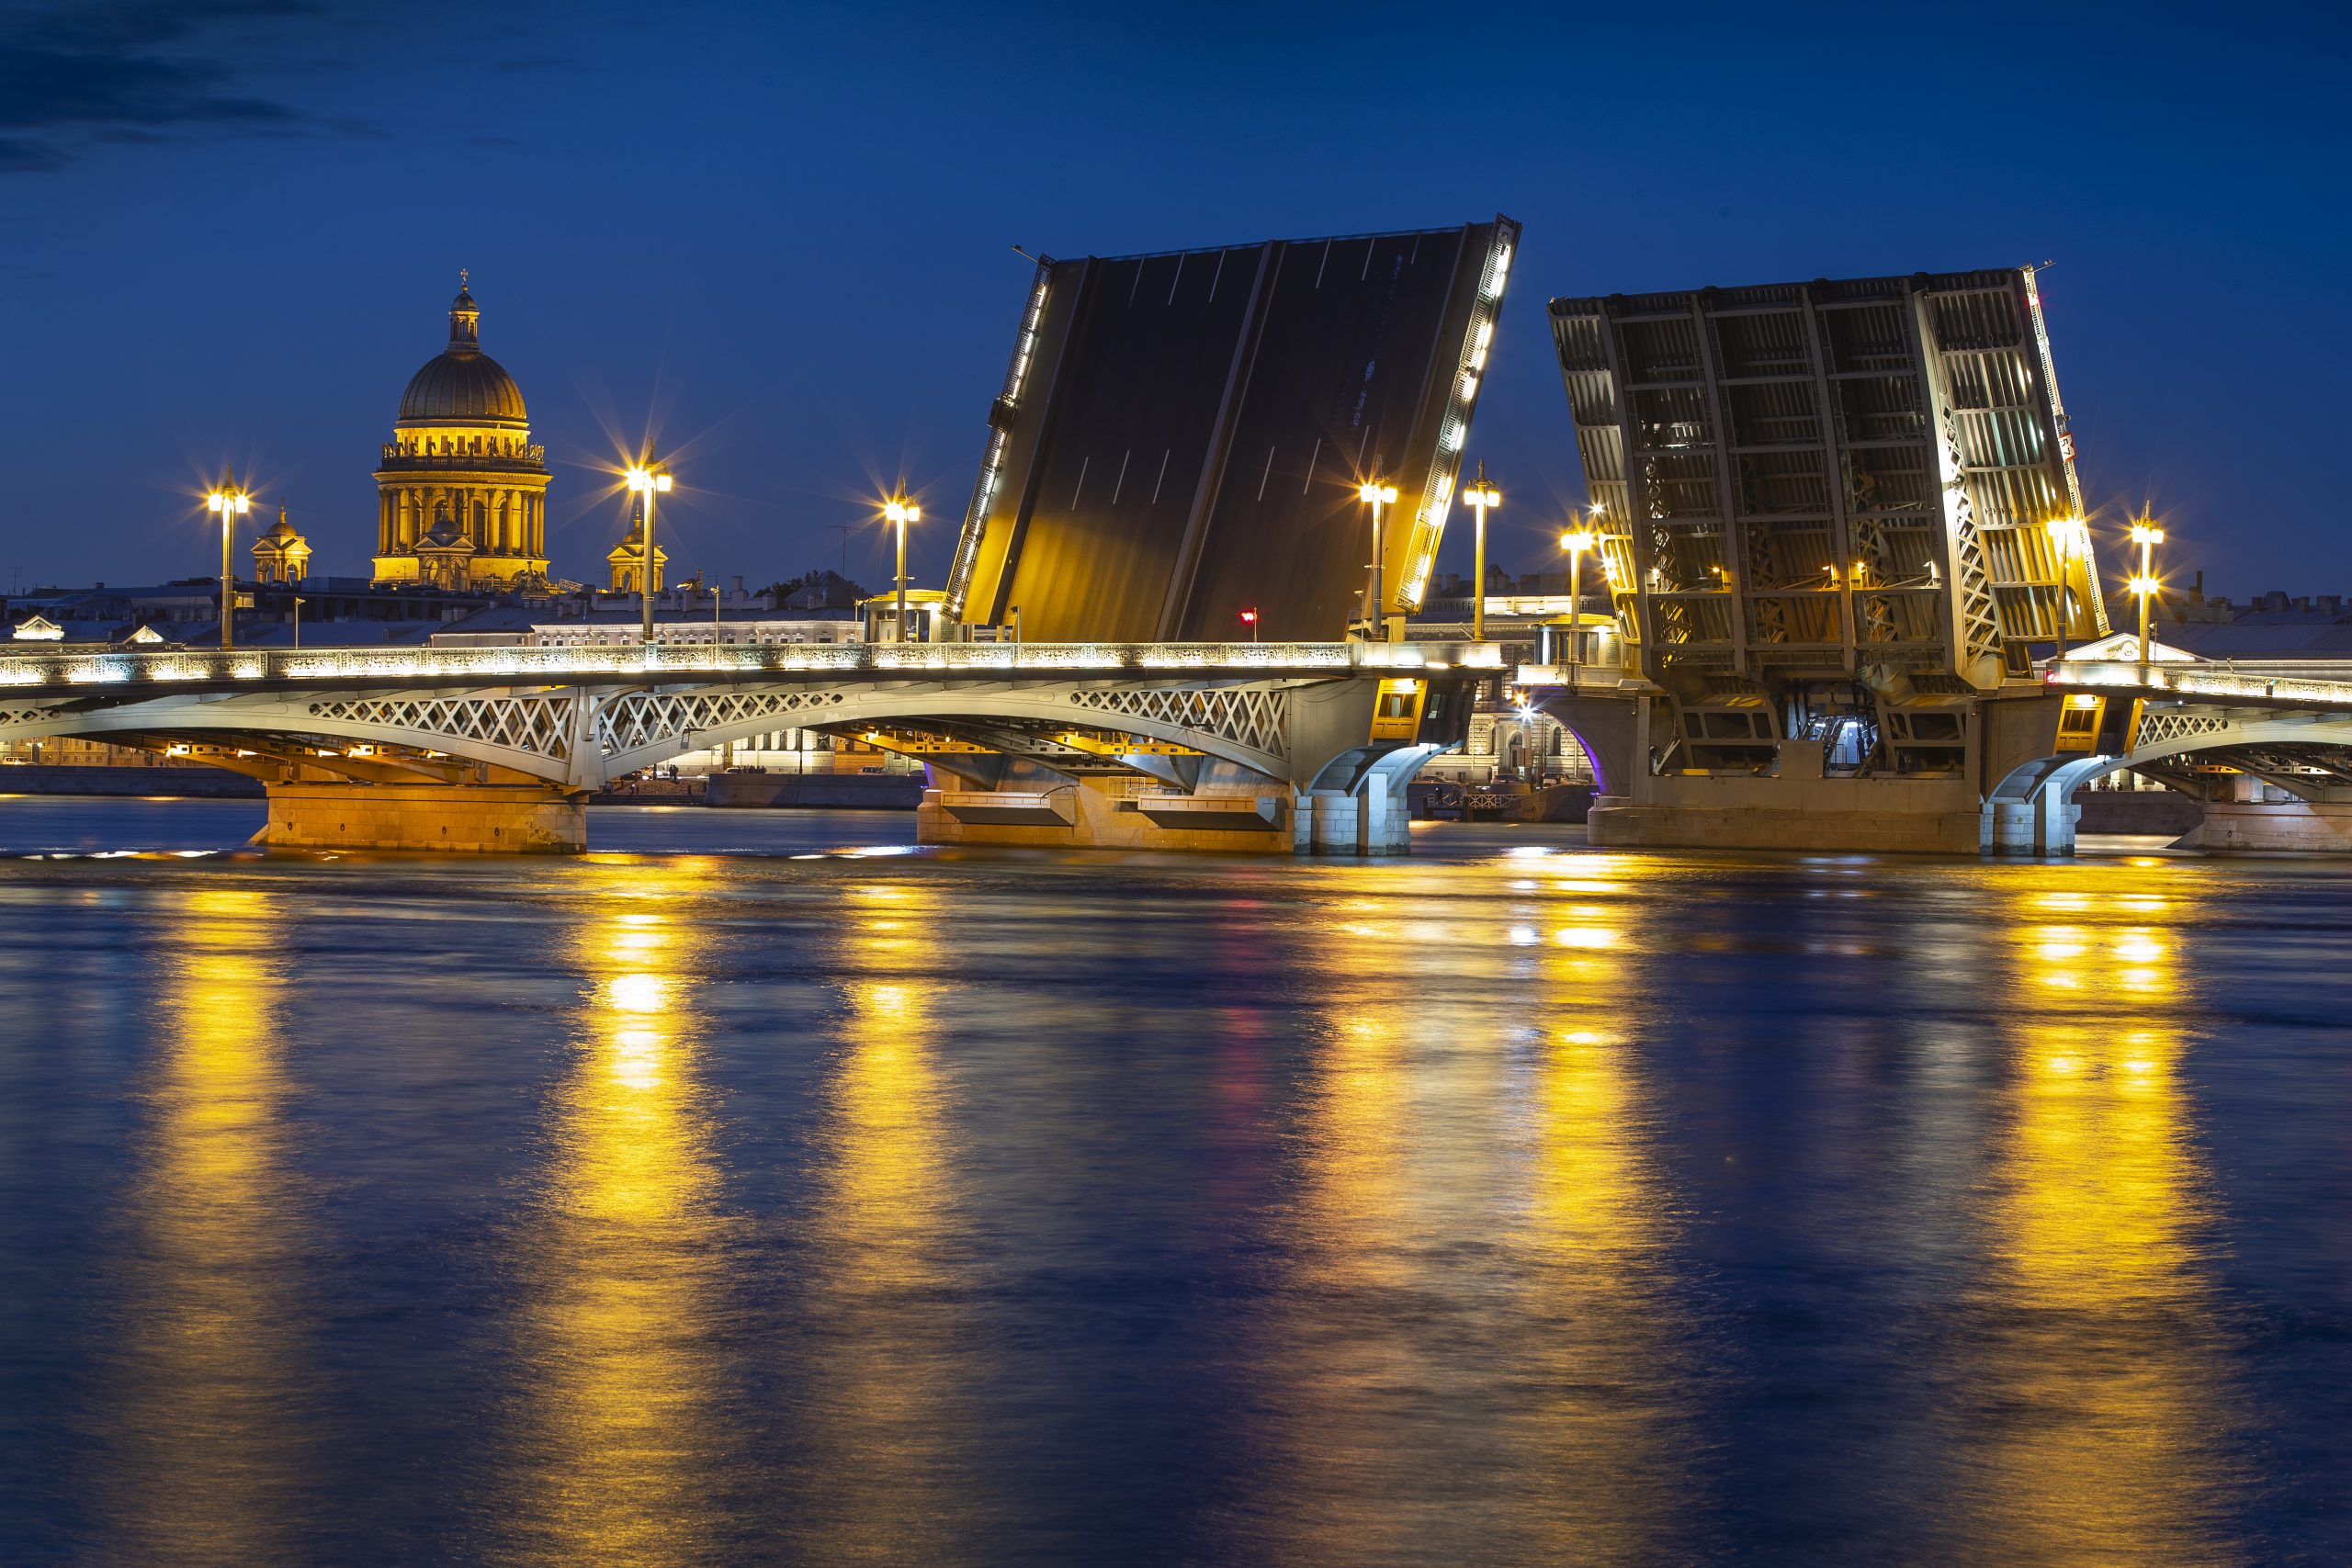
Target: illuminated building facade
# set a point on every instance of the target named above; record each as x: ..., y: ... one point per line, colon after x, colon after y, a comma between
x: 462, y: 497
x: 281, y: 555
x: 625, y: 562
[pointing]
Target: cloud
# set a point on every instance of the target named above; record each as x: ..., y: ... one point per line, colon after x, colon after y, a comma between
x: 74, y: 74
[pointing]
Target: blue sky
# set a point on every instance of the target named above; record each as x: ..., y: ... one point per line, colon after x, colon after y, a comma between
x: 777, y: 238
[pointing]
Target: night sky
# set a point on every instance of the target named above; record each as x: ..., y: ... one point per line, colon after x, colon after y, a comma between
x: 229, y: 231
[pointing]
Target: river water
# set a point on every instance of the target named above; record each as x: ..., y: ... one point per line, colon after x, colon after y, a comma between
x: 755, y: 1190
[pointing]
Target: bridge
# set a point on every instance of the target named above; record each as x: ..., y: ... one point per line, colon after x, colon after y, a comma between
x: 1277, y: 747
x: 2217, y: 733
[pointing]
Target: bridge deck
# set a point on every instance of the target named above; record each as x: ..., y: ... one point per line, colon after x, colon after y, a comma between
x: 256, y: 669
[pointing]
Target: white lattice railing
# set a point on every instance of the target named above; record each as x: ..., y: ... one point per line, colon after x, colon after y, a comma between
x: 539, y: 725
x: 1257, y: 719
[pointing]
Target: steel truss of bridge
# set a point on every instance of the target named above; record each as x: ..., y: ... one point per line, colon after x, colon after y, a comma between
x: 1043, y: 742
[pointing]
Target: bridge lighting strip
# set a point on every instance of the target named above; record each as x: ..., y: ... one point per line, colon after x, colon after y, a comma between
x: 2209, y: 685
x: 1025, y: 348
x: 1454, y: 432
x: 553, y: 665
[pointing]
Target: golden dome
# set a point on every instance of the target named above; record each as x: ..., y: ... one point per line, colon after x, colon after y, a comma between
x: 462, y: 385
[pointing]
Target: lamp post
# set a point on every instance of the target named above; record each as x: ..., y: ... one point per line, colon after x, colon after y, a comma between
x: 1249, y: 619
x: 2147, y: 536
x: 1378, y: 495
x: 1480, y: 497
x: 2061, y: 535
x: 901, y: 511
x: 232, y: 503
x: 299, y: 602
x: 648, y: 480
x: 1575, y: 541
x: 712, y: 589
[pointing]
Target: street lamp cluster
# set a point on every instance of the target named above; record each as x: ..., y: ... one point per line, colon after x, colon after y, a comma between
x: 648, y: 480
x: 232, y: 503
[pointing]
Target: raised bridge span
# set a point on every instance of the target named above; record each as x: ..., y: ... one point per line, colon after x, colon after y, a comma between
x: 1245, y: 746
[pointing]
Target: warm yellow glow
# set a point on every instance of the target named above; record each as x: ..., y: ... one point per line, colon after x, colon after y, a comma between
x: 655, y: 478
x: 1482, y: 495
x: 2104, y: 1313
x: 2082, y: 699
x: 626, y: 1278
x: 898, y: 509
x: 2144, y: 586
x: 1374, y: 491
x: 2146, y: 534
x: 885, y: 1404
x: 210, y: 1368
x: 1575, y: 541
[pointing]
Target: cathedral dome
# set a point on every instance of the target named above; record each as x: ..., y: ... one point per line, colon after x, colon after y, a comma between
x: 462, y: 385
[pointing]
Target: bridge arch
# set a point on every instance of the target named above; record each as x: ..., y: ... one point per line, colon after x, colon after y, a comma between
x: 2030, y: 811
x: 534, y: 735
x: 1243, y: 724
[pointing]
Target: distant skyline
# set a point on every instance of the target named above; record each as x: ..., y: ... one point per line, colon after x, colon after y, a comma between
x: 780, y: 242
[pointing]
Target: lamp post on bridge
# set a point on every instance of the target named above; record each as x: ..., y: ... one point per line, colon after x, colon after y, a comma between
x: 232, y: 503
x: 901, y: 511
x: 299, y: 602
x: 1378, y: 495
x: 1575, y: 541
x: 648, y: 480
x: 2065, y: 533
x: 1480, y: 498
x: 2147, y: 536
x: 1249, y: 619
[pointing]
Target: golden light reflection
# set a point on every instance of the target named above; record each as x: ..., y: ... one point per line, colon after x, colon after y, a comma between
x: 204, y: 1420
x: 887, y: 1398
x: 2108, y: 1408
x: 622, y: 1441
x: 1597, y: 1226
x: 1485, y: 1147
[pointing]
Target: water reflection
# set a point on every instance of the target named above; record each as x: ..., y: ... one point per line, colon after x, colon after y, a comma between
x: 1609, y: 1438
x: 1481, y: 1249
x: 2106, y: 1410
x: 884, y: 1416
x: 204, y: 1419
x: 623, y: 1440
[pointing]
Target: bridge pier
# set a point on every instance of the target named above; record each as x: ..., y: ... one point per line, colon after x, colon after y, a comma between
x: 464, y: 819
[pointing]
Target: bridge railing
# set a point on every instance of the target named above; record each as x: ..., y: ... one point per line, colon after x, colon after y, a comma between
x: 2200, y: 682
x: 62, y: 668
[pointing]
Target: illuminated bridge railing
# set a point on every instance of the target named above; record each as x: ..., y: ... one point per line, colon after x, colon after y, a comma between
x: 1226, y: 661
x: 2206, y: 684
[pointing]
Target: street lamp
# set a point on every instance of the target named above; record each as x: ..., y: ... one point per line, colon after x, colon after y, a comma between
x: 299, y: 602
x: 1249, y: 619
x: 713, y: 590
x: 2147, y: 536
x: 901, y: 511
x: 648, y: 480
x: 232, y: 503
x: 1378, y: 495
x: 1575, y: 541
x: 1481, y: 496
x: 2064, y: 531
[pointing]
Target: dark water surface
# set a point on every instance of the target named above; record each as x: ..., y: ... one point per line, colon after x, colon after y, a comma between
x: 691, y: 1202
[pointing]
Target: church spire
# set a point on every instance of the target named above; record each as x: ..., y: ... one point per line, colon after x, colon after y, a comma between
x: 465, y: 318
